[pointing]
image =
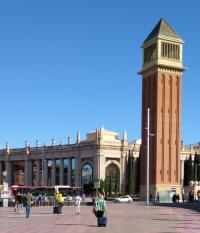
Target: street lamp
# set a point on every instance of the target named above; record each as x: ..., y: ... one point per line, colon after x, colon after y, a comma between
x: 96, y: 185
x: 42, y: 165
x: 148, y: 136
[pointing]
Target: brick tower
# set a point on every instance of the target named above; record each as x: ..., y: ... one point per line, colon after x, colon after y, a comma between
x: 161, y: 92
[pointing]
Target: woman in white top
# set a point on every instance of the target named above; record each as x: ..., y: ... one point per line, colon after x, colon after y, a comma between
x: 77, y: 202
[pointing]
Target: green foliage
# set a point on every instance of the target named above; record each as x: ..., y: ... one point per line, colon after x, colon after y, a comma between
x: 102, y: 186
x: 112, y: 180
x: 195, y: 166
x: 116, y: 183
x: 138, y: 175
x: 190, y: 169
x: 110, y: 186
x: 88, y: 188
x: 198, y: 167
x: 106, y: 187
x: 186, y: 172
x: 130, y: 177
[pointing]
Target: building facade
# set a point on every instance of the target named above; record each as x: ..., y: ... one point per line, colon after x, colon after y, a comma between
x: 101, y: 155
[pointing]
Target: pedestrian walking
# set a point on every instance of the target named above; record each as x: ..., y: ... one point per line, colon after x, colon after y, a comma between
x: 39, y: 200
x: 58, y: 203
x: 183, y: 197
x: 177, y: 198
x: 158, y: 198
x: 198, y: 195
x: 20, y: 202
x: 174, y: 198
x: 16, y: 202
x: 83, y: 196
x: 28, y: 201
x: 77, y: 202
x: 100, y: 210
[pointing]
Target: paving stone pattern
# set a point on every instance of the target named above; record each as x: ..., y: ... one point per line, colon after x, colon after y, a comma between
x: 122, y: 218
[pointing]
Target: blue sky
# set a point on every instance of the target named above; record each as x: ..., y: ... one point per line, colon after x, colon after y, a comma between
x: 72, y: 65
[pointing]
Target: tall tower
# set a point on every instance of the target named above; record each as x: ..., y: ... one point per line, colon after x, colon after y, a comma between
x: 161, y: 92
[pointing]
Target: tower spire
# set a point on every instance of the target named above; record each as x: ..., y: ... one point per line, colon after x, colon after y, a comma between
x: 162, y: 28
x: 78, y: 137
x: 124, y: 135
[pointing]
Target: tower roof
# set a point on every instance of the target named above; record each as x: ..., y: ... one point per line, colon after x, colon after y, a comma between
x: 162, y: 28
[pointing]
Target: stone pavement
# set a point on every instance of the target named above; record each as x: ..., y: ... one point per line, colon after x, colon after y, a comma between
x: 122, y: 218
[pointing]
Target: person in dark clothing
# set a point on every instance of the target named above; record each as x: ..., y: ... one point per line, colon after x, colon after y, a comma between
x: 183, y: 197
x: 16, y: 203
x: 174, y: 198
x: 20, y: 201
x: 158, y: 198
x: 177, y: 198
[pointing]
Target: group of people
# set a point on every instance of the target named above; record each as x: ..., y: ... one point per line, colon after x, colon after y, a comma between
x: 155, y: 198
x: 192, y: 197
x: 99, y: 205
x: 21, y: 201
x: 176, y: 198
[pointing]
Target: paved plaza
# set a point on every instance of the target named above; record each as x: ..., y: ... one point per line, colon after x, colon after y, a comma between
x: 122, y: 218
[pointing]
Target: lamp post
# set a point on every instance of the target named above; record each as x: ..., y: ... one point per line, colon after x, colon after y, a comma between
x: 42, y: 165
x: 148, y: 136
x: 96, y: 185
x: 147, y: 198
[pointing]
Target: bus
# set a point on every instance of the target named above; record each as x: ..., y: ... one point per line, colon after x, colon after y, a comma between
x: 47, y: 191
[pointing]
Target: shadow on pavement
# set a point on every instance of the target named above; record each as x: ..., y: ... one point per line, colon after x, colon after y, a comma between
x: 74, y: 224
x: 186, y: 205
x: 172, y: 220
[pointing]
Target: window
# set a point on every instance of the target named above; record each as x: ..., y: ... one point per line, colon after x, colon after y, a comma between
x: 150, y: 53
x: 171, y: 51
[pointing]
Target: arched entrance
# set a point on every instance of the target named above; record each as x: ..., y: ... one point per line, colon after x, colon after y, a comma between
x: 87, y: 178
x: 112, y: 179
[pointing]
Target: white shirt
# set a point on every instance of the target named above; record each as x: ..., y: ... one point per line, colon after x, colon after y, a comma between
x: 78, y: 200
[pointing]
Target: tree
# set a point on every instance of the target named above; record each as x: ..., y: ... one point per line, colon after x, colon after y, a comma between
x: 106, y: 187
x: 190, y: 169
x: 195, y: 166
x: 88, y: 188
x: 138, y: 174
x: 186, y: 172
x: 102, y: 186
x: 129, y: 184
x: 198, y: 167
x: 116, y: 182
x: 110, y: 186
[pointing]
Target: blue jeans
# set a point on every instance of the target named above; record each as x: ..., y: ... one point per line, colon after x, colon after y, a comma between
x: 28, y: 210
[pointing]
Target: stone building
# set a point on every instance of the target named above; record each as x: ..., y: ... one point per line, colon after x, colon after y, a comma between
x: 101, y: 155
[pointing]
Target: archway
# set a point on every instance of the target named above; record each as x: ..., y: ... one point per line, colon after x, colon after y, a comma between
x: 112, y: 179
x: 87, y: 178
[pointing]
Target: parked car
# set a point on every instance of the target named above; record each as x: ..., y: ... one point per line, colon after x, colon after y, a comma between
x: 124, y: 199
x: 135, y: 197
x: 68, y: 198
